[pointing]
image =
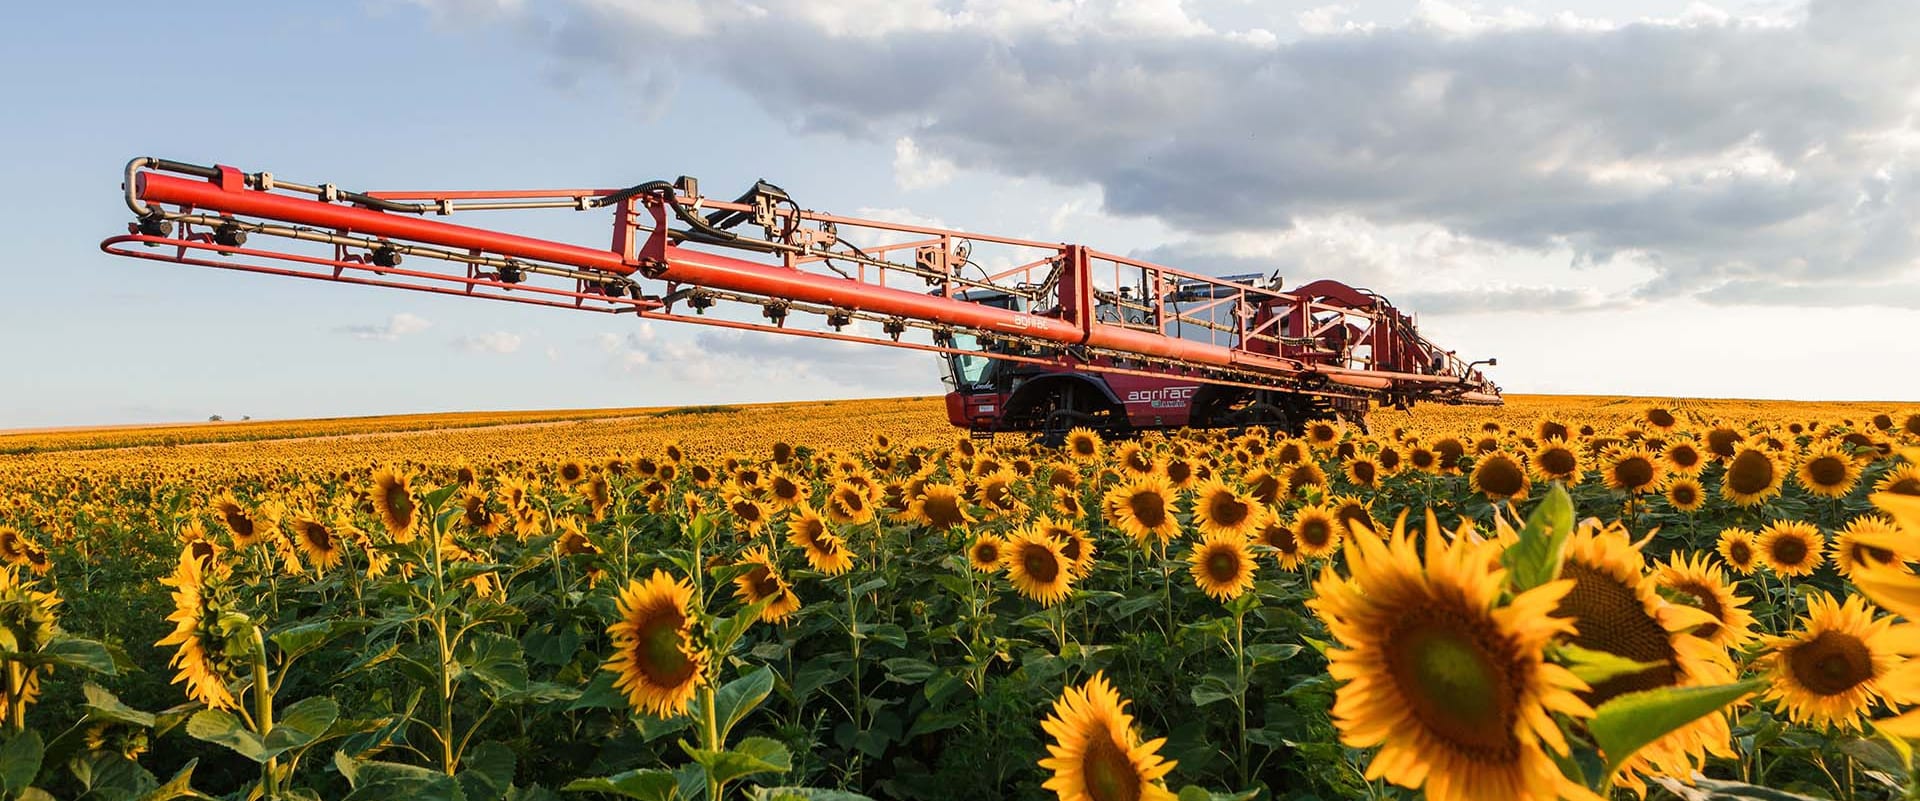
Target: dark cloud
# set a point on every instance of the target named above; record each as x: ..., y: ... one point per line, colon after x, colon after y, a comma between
x: 1714, y: 150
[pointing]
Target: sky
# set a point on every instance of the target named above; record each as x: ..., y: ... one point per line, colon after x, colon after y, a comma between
x: 1610, y: 196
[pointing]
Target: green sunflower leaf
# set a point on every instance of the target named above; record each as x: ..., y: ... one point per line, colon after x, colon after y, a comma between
x: 646, y: 784
x: 1535, y: 559
x: 1593, y: 666
x: 1625, y: 724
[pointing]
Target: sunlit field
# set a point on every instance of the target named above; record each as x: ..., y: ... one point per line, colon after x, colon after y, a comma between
x: 1563, y: 597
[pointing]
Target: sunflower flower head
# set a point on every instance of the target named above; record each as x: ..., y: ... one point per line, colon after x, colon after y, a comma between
x: 1790, y: 547
x: 1221, y: 565
x: 1451, y: 684
x: 1143, y: 508
x: 655, y: 659
x: 394, y: 502
x: 1829, y: 672
x: 1218, y: 509
x: 1096, y: 753
x: 1036, y: 567
x: 824, y: 550
x: 211, y: 634
x: 762, y: 581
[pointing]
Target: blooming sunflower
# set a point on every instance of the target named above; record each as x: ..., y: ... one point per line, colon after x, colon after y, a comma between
x: 13, y: 546
x: 599, y: 495
x: 1736, y: 547
x: 212, y: 635
x: 1143, y: 508
x: 1498, y: 477
x: 1352, y: 512
x: 1036, y: 567
x: 1217, y: 509
x: 1317, y: 531
x: 1901, y: 480
x: 1363, y: 471
x: 1135, y: 459
x: 849, y: 504
x: 1060, y: 474
x: 393, y: 501
x: 1286, y: 548
x: 825, y: 551
x: 1447, y: 452
x: 752, y: 515
x: 1629, y: 469
x: 1066, y: 502
x: 655, y: 659
x: 1722, y: 441
x: 1617, y: 609
x: 1752, y: 477
x: 1686, y: 494
x: 1096, y: 754
x: 246, y: 526
x: 1264, y: 486
x: 1790, y: 547
x: 1450, y: 685
x: 1684, y: 458
x: 317, y: 539
x: 1555, y: 461
x: 1221, y: 566
x: 1423, y: 459
x: 785, y: 490
x: 1828, y: 471
x: 986, y: 552
x: 1179, y: 473
x: 475, y: 514
x: 761, y: 582
x: 1083, y: 445
x: 1321, y: 434
x: 995, y: 494
x: 1860, y: 545
x: 940, y: 507
x: 1390, y: 460
x: 1306, y: 473
x: 1704, y: 585
x: 1828, y: 673
x: 1074, y: 544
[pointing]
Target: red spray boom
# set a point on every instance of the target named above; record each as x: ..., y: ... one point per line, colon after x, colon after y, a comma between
x: 674, y: 254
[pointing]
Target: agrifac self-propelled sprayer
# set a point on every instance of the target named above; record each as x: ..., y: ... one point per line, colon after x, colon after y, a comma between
x: 1036, y: 336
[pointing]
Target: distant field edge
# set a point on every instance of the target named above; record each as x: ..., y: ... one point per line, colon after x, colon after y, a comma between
x: 78, y: 438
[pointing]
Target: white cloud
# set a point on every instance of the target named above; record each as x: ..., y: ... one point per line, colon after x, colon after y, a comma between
x: 1713, y: 145
x: 397, y: 326
x: 913, y: 169
x: 492, y: 342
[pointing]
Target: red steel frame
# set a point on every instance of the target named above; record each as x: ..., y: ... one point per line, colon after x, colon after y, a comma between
x: 1274, y: 339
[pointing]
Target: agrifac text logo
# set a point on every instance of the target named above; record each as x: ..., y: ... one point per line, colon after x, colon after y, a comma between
x: 1163, y: 398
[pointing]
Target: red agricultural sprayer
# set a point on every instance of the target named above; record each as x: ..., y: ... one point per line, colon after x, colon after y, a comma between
x: 1036, y: 336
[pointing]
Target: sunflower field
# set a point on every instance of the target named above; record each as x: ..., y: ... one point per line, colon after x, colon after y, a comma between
x: 1567, y: 597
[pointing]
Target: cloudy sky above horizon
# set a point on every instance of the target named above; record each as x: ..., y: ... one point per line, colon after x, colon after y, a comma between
x: 1642, y: 198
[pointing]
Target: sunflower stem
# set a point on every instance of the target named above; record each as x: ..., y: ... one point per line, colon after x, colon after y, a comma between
x: 16, y: 696
x: 1240, y: 691
x: 263, y: 711
x: 859, y: 688
x: 710, y: 735
x: 1166, y: 587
